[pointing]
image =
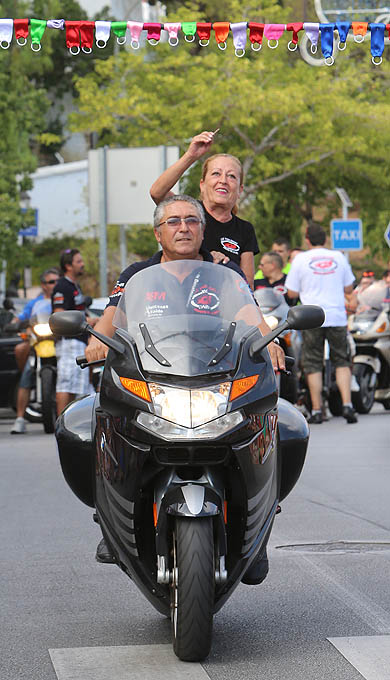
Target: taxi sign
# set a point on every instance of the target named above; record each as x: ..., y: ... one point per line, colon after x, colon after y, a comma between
x: 346, y: 234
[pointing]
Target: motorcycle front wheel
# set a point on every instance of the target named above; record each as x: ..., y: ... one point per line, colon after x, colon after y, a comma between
x: 192, y: 588
x: 364, y: 399
x: 49, y: 409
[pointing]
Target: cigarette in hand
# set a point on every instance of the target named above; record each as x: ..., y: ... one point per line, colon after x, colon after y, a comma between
x: 215, y: 131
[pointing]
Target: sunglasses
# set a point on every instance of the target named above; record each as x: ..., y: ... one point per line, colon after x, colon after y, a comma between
x: 368, y: 274
x: 51, y: 281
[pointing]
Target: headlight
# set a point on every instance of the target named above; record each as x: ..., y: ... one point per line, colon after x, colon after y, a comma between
x: 42, y: 330
x: 168, y: 430
x: 271, y: 320
x: 190, y: 408
x: 361, y: 326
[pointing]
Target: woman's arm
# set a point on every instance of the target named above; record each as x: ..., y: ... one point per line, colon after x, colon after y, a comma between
x: 199, y: 145
x: 247, y: 264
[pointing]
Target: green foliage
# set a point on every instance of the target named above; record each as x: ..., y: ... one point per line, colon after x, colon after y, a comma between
x: 33, y: 86
x: 300, y: 131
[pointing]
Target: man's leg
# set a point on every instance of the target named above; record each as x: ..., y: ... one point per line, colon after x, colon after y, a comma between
x: 312, y: 360
x: 314, y: 381
x: 340, y: 356
x: 343, y: 380
x: 22, y: 350
x: 63, y: 399
x: 22, y: 399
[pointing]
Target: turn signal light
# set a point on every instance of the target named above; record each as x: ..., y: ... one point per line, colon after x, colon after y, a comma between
x: 381, y: 328
x: 239, y: 387
x: 137, y: 387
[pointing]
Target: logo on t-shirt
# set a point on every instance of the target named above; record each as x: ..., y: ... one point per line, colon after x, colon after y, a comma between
x: 205, y: 301
x: 230, y: 245
x: 323, y: 265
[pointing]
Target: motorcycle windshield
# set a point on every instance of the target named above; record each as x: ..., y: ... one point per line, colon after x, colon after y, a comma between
x: 187, y: 317
x: 269, y: 299
x: 374, y: 296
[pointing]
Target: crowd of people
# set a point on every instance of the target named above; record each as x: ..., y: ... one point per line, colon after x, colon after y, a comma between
x: 316, y: 275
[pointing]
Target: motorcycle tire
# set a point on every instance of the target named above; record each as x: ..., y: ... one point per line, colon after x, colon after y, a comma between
x: 33, y: 414
x: 49, y: 409
x: 335, y: 403
x: 364, y: 399
x: 192, y: 590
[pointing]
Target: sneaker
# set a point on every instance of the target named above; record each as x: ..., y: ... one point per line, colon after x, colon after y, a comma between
x: 355, y: 387
x: 349, y: 414
x: 258, y: 570
x: 315, y: 419
x: 19, y: 426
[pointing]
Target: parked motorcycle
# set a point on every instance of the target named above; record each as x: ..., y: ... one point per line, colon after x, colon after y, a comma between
x: 371, y: 332
x: 44, y: 363
x: 275, y: 310
x: 185, y: 453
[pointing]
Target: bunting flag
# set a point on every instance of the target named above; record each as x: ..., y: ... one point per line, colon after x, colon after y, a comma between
x: 82, y: 36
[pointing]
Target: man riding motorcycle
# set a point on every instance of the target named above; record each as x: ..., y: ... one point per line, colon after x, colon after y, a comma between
x: 179, y: 223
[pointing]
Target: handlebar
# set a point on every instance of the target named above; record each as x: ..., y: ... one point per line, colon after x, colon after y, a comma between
x: 83, y: 362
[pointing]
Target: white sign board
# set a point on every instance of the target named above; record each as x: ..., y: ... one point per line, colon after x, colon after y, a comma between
x: 129, y: 175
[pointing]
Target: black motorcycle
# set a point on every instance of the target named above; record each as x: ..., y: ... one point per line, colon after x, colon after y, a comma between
x: 186, y: 452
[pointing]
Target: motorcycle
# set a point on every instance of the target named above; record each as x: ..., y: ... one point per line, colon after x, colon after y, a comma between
x: 370, y: 328
x: 44, y: 363
x: 186, y: 452
x: 275, y: 310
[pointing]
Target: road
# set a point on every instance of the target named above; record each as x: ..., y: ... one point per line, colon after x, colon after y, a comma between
x: 323, y: 612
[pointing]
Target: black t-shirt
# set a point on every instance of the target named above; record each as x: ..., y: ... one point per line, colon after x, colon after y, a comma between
x: 67, y: 295
x: 199, y: 292
x: 233, y: 238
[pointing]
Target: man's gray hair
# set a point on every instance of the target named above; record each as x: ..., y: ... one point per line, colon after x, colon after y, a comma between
x: 52, y: 270
x: 160, y: 210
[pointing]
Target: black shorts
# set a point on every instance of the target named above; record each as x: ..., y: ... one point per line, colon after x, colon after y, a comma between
x: 313, y: 348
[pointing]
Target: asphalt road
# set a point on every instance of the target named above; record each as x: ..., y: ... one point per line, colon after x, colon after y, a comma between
x: 329, y: 576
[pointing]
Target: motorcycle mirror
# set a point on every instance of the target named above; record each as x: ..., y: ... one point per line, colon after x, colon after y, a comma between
x: 69, y: 324
x: 87, y: 300
x: 303, y: 317
x: 299, y: 318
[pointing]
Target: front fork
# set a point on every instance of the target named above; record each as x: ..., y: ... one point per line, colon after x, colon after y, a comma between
x: 176, y: 497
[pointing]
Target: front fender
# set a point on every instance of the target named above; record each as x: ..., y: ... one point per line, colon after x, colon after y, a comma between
x: 192, y: 500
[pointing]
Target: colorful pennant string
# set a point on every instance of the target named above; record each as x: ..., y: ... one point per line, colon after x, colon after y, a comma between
x: 312, y: 31
x: 343, y: 30
x: 377, y: 42
x: 295, y: 28
x: 327, y: 31
x: 80, y: 35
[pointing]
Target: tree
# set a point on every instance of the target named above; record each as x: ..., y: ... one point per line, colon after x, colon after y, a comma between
x: 300, y: 131
x: 33, y: 87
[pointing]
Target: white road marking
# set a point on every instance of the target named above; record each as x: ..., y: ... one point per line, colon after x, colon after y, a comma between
x: 138, y: 662
x: 370, y: 655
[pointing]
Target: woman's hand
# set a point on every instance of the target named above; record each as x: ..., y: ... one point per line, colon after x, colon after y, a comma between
x: 219, y: 257
x: 200, y: 144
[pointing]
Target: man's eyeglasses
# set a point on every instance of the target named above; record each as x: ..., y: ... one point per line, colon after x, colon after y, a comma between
x: 52, y: 281
x: 175, y: 221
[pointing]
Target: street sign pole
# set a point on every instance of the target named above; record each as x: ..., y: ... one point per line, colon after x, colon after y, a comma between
x: 345, y: 203
x: 103, y: 220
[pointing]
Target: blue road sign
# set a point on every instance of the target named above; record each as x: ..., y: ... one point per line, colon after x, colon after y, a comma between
x: 387, y: 235
x: 346, y: 234
x: 32, y: 230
